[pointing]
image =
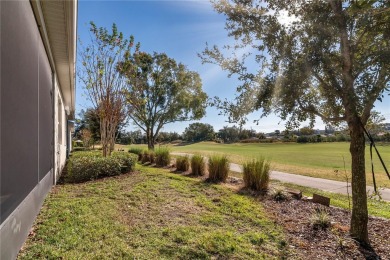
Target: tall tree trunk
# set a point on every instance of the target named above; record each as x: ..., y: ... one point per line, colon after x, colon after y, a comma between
x: 151, y: 143
x: 359, y: 218
x: 103, y: 136
x: 112, y: 137
x: 150, y: 139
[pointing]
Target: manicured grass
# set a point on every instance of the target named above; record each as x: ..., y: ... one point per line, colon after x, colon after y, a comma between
x: 152, y: 214
x: 375, y: 207
x: 317, y: 160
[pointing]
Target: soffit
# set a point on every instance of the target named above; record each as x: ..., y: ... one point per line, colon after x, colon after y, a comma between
x: 60, y: 18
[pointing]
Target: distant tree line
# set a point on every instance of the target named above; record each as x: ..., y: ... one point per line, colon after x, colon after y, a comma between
x: 87, y: 129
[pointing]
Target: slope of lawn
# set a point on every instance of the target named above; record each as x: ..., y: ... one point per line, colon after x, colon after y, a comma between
x: 317, y: 160
x: 152, y: 214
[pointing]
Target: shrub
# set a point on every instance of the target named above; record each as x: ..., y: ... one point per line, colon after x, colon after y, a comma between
x: 78, y: 154
x: 218, y: 168
x: 90, y: 165
x: 279, y: 194
x: 182, y: 163
x: 77, y: 149
x: 198, y: 165
x: 256, y: 174
x: 77, y: 144
x: 138, y: 151
x: 126, y: 160
x: 302, y: 139
x: 163, y: 157
x: 331, y: 138
x: 89, y: 168
x: 320, y: 219
x: 250, y: 140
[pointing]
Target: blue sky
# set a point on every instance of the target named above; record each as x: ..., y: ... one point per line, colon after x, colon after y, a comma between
x: 181, y: 30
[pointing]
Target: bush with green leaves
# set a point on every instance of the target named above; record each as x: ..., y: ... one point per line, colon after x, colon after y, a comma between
x: 198, y: 167
x: 182, y: 163
x: 91, y: 153
x: 218, y: 168
x: 85, y: 166
x: 163, y: 156
x: 78, y: 148
x: 126, y: 160
x: 88, y: 168
x: 256, y: 174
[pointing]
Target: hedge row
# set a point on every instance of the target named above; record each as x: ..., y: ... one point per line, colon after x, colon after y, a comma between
x: 85, y: 166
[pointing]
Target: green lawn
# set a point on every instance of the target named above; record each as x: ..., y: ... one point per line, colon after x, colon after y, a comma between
x: 318, y: 160
x: 375, y: 207
x: 152, y: 214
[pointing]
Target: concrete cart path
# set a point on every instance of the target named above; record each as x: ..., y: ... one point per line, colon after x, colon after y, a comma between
x: 317, y: 183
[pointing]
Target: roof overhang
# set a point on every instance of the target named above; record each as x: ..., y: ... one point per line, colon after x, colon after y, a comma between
x: 57, y: 21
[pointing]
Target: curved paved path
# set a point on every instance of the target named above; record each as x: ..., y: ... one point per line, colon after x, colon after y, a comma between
x: 317, y: 183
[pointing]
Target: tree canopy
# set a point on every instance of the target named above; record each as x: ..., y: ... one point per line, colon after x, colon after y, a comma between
x: 326, y: 59
x: 161, y: 91
x: 229, y: 134
x: 88, y: 119
x: 197, y: 132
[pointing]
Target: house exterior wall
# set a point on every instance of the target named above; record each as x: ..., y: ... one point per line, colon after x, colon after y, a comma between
x: 60, y: 123
x: 33, y: 122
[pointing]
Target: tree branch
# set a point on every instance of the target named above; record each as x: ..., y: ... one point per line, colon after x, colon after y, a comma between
x: 314, y: 111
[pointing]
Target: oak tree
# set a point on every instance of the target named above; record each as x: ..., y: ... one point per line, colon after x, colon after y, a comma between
x: 325, y: 59
x: 161, y: 91
x: 229, y: 134
x: 198, y: 132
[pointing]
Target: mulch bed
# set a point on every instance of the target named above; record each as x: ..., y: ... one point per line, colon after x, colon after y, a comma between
x: 334, y: 242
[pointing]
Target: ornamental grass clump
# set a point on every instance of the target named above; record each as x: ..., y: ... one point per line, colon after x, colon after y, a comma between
x: 152, y: 157
x: 279, y: 194
x: 218, y: 168
x: 145, y: 156
x: 163, y: 156
x: 198, y: 167
x: 256, y: 174
x: 320, y: 219
x: 138, y: 151
x: 182, y: 163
